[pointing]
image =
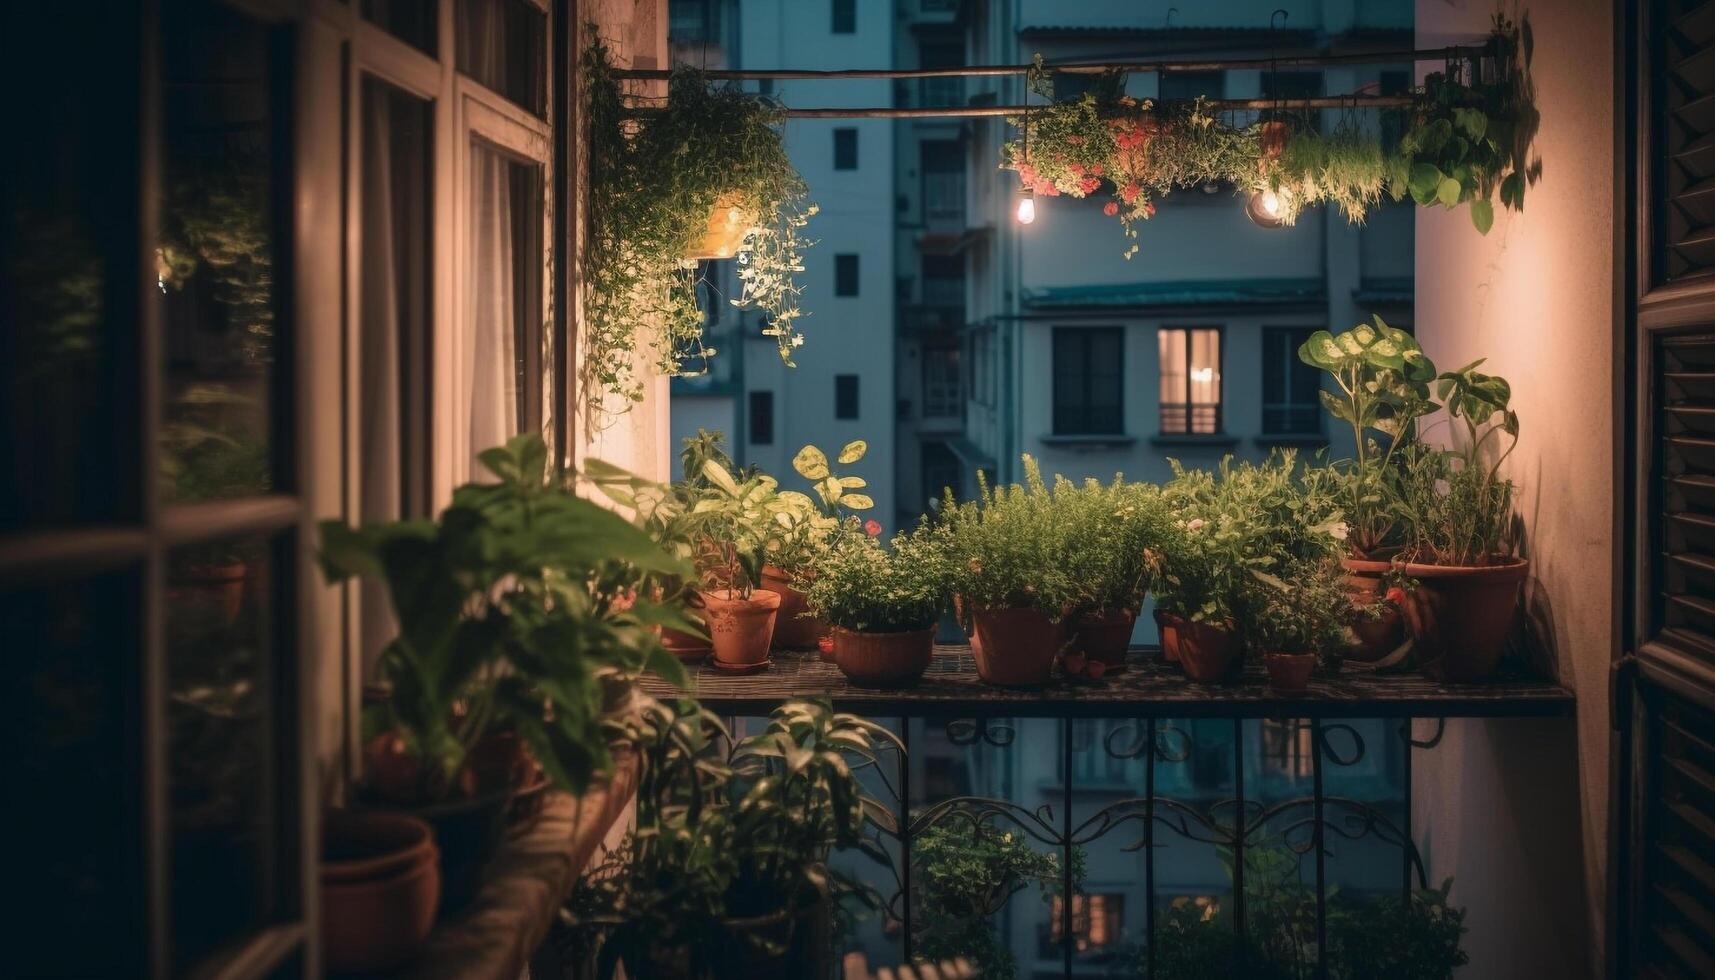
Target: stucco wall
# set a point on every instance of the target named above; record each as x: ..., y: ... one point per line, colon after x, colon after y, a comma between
x: 1517, y: 811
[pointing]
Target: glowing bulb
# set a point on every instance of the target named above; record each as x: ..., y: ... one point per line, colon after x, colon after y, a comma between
x: 1026, y: 208
x: 1266, y: 208
x: 1270, y: 204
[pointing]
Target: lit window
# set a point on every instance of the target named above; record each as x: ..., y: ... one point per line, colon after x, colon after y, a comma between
x: 1291, y: 389
x: 1190, y: 381
x: 1096, y: 922
x: 1087, y: 381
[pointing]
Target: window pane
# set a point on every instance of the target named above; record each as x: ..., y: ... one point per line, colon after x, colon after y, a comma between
x: 845, y: 275
x: 942, y: 394
x: 1205, y: 381
x: 394, y: 343
x: 411, y: 21
x: 845, y: 149
x: 844, y: 16
x: 504, y: 45
x: 1190, y: 84
x: 72, y: 656
x: 845, y: 396
x: 215, y: 256
x: 1172, y: 353
x: 69, y: 428
x: 504, y: 302
x: 219, y: 714
x: 762, y: 418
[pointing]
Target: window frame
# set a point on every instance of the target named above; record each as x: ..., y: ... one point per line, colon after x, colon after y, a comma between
x: 842, y: 17
x: 1085, y: 335
x: 752, y: 401
x: 848, y: 397
x: 1281, y: 370
x: 1190, y: 405
x: 841, y: 161
x: 953, y: 381
x: 841, y: 282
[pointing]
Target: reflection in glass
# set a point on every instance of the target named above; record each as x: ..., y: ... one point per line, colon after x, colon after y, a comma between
x: 504, y: 299
x: 394, y: 362
x: 411, y: 21
x: 71, y: 656
x: 215, y: 255
x: 218, y: 660
x: 504, y: 45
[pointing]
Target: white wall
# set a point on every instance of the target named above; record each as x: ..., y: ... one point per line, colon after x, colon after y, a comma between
x: 1517, y: 811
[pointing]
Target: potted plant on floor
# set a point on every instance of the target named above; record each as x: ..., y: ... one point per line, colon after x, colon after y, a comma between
x: 1114, y: 554
x: 1297, y: 618
x: 883, y: 606
x: 807, y: 531
x: 1007, y: 552
x: 503, y: 641
x: 727, y: 873
x: 1461, y: 551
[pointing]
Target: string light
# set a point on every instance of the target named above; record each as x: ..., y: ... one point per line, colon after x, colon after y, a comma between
x: 1266, y: 209
x: 1026, y: 206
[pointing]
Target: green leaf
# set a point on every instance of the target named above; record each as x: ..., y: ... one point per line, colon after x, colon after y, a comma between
x: 1448, y: 191
x: 1482, y: 215
x: 1512, y: 191
x: 811, y: 463
x: 1473, y: 121
x: 856, y: 501
x: 717, y: 474
x: 1425, y: 179
x: 853, y: 452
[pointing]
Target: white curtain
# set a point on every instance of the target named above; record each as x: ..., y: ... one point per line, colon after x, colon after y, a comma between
x: 491, y: 314
x: 380, y: 399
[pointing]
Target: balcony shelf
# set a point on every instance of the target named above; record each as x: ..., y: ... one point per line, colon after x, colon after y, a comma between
x: 951, y: 688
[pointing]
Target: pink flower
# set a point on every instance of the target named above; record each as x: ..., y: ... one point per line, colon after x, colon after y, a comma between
x: 1130, y: 191
x: 1396, y: 595
x: 1096, y: 169
x: 1148, y: 208
x: 1089, y: 184
x: 1111, y: 208
x: 1077, y: 169
x: 872, y: 527
x: 1075, y: 663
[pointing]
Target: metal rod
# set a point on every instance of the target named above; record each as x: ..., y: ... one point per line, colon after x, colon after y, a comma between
x: 1073, y: 67
x: 905, y: 826
x: 1149, y: 851
x: 1321, y: 858
x: 1239, y: 836
x: 1405, y: 851
x: 978, y: 111
x: 1066, y: 869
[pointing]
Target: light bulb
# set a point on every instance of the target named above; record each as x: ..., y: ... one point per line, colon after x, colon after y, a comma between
x: 1026, y: 208
x: 1266, y: 208
x: 1270, y: 204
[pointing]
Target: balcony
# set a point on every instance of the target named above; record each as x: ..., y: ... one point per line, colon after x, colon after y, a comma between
x: 944, y: 199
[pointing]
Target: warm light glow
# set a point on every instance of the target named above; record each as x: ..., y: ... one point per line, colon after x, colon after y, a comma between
x: 1266, y: 208
x: 1026, y: 208
x: 1203, y: 375
x: 1270, y: 204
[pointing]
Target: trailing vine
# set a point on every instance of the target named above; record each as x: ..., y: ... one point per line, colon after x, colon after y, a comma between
x: 655, y: 178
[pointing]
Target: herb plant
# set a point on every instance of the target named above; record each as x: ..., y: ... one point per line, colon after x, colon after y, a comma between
x: 861, y: 587
x: 1010, y: 548
x: 1114, y: 532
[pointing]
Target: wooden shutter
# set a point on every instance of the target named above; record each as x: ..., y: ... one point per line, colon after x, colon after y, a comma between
x: 1685, y: 120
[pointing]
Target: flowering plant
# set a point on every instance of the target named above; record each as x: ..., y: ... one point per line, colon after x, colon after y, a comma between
x: 1115, y: 533
x: 1010, y: 547
x: 860, y: 586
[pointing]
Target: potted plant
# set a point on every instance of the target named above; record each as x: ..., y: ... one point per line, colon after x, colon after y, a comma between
x: 380, y: 889
x: 1295, y: 619
x: 503, y: 642
x: 1460, y: 554
x: 1113, y: 555
x: 727, y: 872
x: 729, y: 527
x: 1194, y: 598
x: 1007, y: 552
x: 883, y: 606
x: 808, y: 528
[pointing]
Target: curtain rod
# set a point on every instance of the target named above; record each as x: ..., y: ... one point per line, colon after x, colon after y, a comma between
x: 1081, y: 67
x: 1217, y: 105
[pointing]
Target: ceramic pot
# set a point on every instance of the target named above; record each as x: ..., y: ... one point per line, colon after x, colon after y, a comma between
x: 1460, y: 616
x: 1364, y: 576
x: 1377, y: 637
x: 1169, y: 636
x: 1289, y: 673
x: 380, y: 887
x: 1104, y: 637
x: 688, y: 647
x: 884, y: 659
x: 741, y: 627
x: 794, y: 629
x: 728, y: 221
x: 1016, y: 647
x: 1208, y: 653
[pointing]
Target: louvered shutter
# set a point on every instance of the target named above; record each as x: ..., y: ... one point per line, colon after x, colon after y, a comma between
x: 1686, y: 127
x: 1678, y: 898
x: 1685, y: 615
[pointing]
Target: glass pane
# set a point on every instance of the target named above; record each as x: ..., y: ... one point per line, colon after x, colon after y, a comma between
x: 219, y: 659
x: 411, y: 21
x: 1172, y: 351
x: 68, y: 245
x: 1205, y: 380
x: 394, y: 362
x: 504, y: 45
x: 504, y: 308
x: 71, y: 654
x: 215, y: 256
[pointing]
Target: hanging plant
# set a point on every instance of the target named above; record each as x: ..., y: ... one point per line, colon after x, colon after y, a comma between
x: 703, y: 175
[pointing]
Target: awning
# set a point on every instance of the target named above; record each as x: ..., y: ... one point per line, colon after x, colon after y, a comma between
x: 1195, y: 292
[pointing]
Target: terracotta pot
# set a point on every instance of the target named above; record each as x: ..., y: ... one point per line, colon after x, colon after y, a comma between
x: 884, y: 659
x: 1289, y: 673
x: 1016, y: 647
x: 1376, y: 637
x: 728, y: 221
x: 1460, y: 616
x: 966, y: 625
x: 1104, y: 636
x: 741, y: 628
x: 1208, y: 653
x: 1364, y: 576
x: 793, y: 628
x: 1169, y: 636
x: 217, y: 588
x: 380, y: 888
x: 1273, y: 139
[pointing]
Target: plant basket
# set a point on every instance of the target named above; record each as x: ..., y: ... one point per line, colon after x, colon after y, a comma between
x: 1104, y: 637
x: 380, y: 887
x: 792, y: 629
x: 728, y: 223
x: 741, y: 627
x: 884, y: 659
x: 1208, y: 653
x: 1460, y: 615
x: 1016, y: 647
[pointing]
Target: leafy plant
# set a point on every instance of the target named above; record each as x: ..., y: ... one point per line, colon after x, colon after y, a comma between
x: 861, y: 587
x: 811, y: 526
x: 966, y: 873
x: 1115, y: 532
x: 729, y: 854
x: 1303, y: 609
x: 655, y: 178
x: 1010, y: 547
x: 500, y: 623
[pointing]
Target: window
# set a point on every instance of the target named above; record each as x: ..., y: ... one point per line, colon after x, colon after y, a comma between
x: 845, y: 274
x: 693, y: 21
x: 504, y: 45
x: 1291, y: 389
x: 504, y: 297
x: 761, y: 418
x: 845, y: 148
x: 1191, y: 84
x: 944, y: 281
x: 1087, y: 381
x: 942, y: 393
x: 411, y: 21
x: 1286, y: 747
x: 845, y: 396
x: 943, y: 172
x: 845, y: 16
x: 941, y: 471
x: 1190, y: 380
x: 1097, y: 923
x: 947, y: 90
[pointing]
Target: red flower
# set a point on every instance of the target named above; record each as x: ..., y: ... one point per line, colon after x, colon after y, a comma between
x: 1130, y: 191
x: 1096, y: 169
x: 825, y: 644
x: 1095, y: 669
x: 1396, y: 595
x: 1077, y: 169
x: 872, y: 527
x: 1111, y: 208
x: 1075, y: 663
x: 1148, y: 208
x: 1088, y: 184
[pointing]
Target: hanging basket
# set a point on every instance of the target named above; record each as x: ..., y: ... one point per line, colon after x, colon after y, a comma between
x: 728, y: 221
